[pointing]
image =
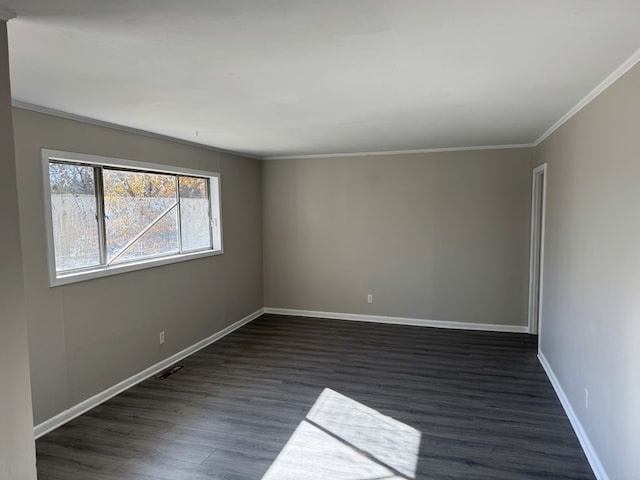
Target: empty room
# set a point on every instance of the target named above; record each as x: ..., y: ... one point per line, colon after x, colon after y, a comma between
x: 305, y: 240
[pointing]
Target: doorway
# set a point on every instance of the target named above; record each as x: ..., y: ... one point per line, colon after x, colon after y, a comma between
x: 536, y: 265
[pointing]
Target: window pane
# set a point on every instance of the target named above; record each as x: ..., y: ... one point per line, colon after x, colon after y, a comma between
x: 73, y: 212
x: 133, y: 201
x: 195, y: 230
x: 161, y: 239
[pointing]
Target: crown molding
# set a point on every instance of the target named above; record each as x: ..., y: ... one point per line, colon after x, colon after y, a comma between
x: 401, y: 152
x: 114, y: 126
x: 6, y: 14
x: 100, y: 123
x: 627, y: 65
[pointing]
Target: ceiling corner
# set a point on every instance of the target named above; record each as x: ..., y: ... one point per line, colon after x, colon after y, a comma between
x: 6, y: 14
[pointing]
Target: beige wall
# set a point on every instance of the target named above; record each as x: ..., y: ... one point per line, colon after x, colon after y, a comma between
x: 441, y: 236
x: 88, y: 336
x: 17, y: 448
x: 591, y: 310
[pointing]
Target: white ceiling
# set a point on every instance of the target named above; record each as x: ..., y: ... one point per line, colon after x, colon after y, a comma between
x: 299, y: 77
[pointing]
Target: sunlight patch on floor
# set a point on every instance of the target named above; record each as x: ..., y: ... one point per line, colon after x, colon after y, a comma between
x: 342, y: 439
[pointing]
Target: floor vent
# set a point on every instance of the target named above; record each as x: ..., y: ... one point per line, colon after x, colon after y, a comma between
x: 168, y: 372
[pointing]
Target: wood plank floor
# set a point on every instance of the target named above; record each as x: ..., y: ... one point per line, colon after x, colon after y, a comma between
x: 293, y: 398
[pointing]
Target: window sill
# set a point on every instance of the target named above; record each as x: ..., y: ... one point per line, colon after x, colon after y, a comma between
x: 74, y: 277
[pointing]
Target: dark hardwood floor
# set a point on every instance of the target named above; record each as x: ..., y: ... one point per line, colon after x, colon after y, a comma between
x: 292, y: 398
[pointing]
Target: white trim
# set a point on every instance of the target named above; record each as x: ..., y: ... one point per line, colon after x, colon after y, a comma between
x: 86, y: 405
x: 6, y: 14
x: 100, y: 123
x: 64, y: 278
x: 627, y: 65
x: 123, y: 162
x: 114, y: 126
x: 535, y: 304
x: 400, y: 152
x: 56, y: 280
x: 583, y: 438
x: 419, y: 322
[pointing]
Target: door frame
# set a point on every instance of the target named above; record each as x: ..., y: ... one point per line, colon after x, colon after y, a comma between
x: 536, y: 252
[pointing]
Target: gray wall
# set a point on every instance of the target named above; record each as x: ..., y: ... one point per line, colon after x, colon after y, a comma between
x: 440, y: 236
x: 88, y: 336
x: 591, y: 308
x: 17, y: 452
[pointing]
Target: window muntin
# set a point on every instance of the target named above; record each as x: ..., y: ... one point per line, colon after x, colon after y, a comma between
x: 109, y: 216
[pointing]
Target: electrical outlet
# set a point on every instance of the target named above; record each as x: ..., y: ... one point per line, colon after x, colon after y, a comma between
x: 369, y: 298
x: 161, y: 338
x: 586, y: 398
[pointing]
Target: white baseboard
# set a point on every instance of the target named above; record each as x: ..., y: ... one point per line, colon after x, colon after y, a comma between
x: 86, y: 405
x: 419, y: 322
x: 585, y: 443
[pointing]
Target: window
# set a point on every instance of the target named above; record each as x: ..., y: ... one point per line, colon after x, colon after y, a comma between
x: 108, y: 216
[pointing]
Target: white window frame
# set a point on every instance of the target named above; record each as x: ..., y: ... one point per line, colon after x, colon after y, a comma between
x: 64, y: 278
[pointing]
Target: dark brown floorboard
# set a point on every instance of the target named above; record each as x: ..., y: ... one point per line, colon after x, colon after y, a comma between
x: 480, y: 401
